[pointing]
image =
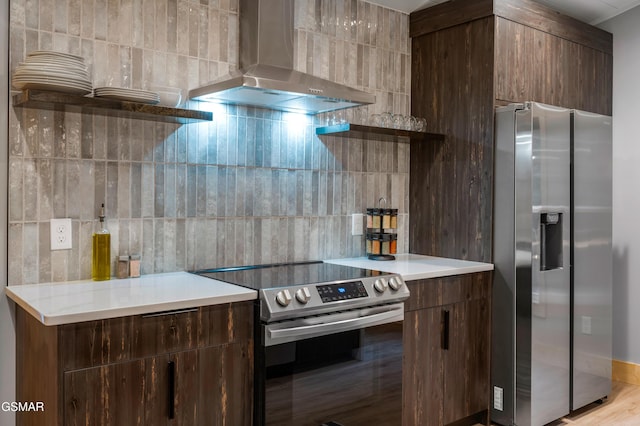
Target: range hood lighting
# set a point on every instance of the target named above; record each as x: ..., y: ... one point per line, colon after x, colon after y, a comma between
x: 266, y: 77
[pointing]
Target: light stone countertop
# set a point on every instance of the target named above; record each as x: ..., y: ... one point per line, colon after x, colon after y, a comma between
x: 77, y: 301
x: 416, y: 266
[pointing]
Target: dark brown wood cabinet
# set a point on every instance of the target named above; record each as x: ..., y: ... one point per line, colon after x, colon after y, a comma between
x: 447, y: 343
x: 469, y: 56
x: 192, y: 367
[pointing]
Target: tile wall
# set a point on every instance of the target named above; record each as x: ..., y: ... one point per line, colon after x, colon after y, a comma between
x: 252, y: 186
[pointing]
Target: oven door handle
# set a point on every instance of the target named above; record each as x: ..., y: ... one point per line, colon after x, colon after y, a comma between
x: 359, y: 319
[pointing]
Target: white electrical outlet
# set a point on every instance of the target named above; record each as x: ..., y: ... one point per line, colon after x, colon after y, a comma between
x: 357, y: 224
x: 586, y: 325
x: 498, y: 402
x: 535, y: 298
x: 60, y: 234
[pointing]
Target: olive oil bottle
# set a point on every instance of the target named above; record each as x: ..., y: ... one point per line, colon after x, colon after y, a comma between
x: 101, y: 261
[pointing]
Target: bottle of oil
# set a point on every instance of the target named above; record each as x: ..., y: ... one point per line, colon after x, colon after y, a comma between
x: 101, y: 261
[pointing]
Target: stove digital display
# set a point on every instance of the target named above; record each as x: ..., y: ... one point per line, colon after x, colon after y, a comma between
x: 342, y: 291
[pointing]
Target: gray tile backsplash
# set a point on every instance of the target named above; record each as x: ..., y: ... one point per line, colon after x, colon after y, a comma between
x: 252, y: 186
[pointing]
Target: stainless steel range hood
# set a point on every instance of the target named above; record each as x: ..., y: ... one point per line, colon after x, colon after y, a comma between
x: 266, y: 77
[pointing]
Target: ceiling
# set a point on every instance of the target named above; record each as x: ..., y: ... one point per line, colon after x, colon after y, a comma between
x: 589, y: 11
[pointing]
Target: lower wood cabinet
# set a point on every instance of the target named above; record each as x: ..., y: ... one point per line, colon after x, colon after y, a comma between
x: 178, y: 368
x: 447, y: 342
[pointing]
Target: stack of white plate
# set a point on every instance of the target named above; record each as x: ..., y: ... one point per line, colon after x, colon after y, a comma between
x: 125, y: 94
x: 48, y: 70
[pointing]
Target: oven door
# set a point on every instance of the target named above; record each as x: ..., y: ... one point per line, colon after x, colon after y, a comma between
x: 337, y: 369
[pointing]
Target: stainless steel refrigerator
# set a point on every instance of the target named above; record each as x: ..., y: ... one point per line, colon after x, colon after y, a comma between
x: 551, y: 350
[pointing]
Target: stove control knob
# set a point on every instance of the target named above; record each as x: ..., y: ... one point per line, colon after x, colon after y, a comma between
x: 303, y: 295
x: 380, y: 285
x: 395, y: 283
x: 283, y: 298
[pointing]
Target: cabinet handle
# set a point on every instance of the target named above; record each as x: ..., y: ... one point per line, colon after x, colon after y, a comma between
x: 445, y: 330
x: 172, y: 389
x: 166, y: 313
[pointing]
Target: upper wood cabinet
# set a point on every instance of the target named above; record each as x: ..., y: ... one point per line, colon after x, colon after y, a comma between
x: 534, y: 65
x: 469, y: 56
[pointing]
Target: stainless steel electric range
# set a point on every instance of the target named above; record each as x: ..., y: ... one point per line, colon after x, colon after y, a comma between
x: 328, y: 343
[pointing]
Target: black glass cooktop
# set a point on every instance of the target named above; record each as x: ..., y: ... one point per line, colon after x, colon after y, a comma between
x: 289, y: 274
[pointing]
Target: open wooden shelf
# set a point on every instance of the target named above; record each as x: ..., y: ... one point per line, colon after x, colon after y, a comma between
x: 60, y: 101
x: 377, y: 133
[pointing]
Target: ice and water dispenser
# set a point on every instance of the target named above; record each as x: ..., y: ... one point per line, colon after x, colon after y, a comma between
x: 550, y: 241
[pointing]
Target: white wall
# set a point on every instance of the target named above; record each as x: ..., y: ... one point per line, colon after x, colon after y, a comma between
x: 626, y: 180
x: 7, y: 334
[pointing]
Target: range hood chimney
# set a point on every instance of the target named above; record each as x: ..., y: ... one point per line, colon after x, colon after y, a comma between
x: 266, y: 77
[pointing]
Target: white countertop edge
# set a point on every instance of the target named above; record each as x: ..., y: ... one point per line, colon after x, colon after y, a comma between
x: 23, y: 304
x: 416, y: 267
x: 449, y: 273
x: 214, y: 292
x: 152, y: 308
